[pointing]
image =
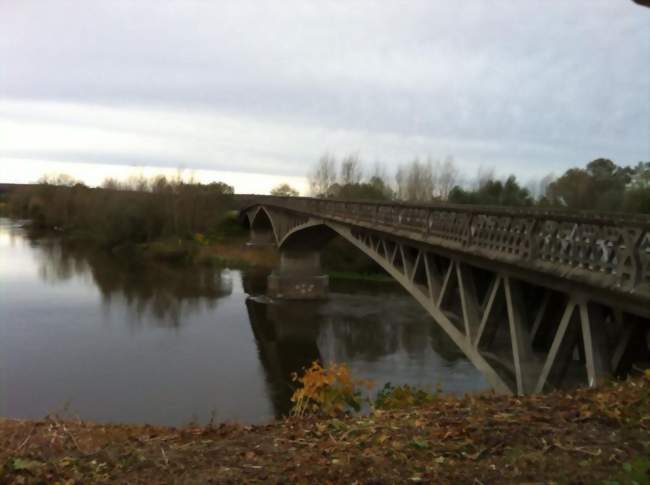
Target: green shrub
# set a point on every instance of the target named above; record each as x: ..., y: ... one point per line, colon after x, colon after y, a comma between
x: 400, y: 397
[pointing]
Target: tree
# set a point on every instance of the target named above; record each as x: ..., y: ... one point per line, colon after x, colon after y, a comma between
x: 380, y: 183
x: 514, y: 195
x: 601, y: 186
x: 110, y: 183
x: 284, y: 190
x: 400, y: 177
x: 61, y: 179
x: 483, y: 176
x: 637, y: 194
x: 637, y: 200
x: 323, y: 175
x: 573, y: 190
x: 640, y: 176
x: 219, y: 188
x: 609, y: 182
x: 458, y: 195
x: 363, y: 191
x: 415, y: 181
x: 350, y: 170
x: 493, y: 192
x: 447, y: 177
x: 380, y: 186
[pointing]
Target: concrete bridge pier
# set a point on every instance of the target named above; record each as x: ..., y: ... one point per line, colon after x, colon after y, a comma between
x: 299, y: 276
x: 261, y: 237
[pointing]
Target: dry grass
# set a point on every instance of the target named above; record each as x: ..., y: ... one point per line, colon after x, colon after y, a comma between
x: 238, y: 255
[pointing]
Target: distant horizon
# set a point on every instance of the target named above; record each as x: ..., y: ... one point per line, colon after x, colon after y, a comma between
x: 93, y: 175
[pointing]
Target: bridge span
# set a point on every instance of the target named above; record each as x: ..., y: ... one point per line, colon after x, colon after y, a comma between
x: 536, y: 299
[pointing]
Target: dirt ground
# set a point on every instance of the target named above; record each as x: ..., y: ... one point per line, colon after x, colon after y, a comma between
x: 585, y: 436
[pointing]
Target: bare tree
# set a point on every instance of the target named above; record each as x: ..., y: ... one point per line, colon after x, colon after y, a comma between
x: 323, y: 175
x: 61, y: 179
x: 447, y: 178
x: 435, y: 177
x: 400, y: 185
x: 420, y: 181
x: 137, y: 183
x: 415, y: 181
x: 350, y: 170
x: 110, y: 183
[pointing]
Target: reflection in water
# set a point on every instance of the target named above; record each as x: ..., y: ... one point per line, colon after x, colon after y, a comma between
x: 384, y: 339
x: 149, y: 343
x: 169, y: 294
x: 286, y: 337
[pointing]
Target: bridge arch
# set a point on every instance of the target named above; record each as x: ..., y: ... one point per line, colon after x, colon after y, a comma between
x: 261, y: 225
x: 312, y: 235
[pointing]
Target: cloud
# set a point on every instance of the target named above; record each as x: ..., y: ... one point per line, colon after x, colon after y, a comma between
x: 265, y: 87
x: 204, y: 140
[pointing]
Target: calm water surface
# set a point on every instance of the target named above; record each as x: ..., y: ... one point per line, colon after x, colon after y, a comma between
x: 112, y: 342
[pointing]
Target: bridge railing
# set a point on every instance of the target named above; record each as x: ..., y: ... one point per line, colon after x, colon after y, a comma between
x: 613, y: 247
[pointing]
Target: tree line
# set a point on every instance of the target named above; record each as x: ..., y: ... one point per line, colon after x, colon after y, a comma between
x: 137, y: 210
x: 601, y: 185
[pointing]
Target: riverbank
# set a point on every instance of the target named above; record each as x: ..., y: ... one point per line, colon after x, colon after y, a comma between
x: 583, y: 436
x: 225, y: 247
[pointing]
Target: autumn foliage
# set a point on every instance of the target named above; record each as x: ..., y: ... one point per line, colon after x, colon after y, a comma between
x: 330, y: 390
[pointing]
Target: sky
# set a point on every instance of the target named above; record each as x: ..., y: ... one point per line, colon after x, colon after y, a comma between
x: 254, y: 92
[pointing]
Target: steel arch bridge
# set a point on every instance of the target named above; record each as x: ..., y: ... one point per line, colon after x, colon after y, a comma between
x: 534, y: 298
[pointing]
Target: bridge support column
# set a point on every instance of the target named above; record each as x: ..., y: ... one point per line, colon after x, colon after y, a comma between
x: 299, y: 276
x: 261, y: 237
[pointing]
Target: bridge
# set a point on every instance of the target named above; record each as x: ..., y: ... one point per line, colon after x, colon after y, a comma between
x: 536, y: 299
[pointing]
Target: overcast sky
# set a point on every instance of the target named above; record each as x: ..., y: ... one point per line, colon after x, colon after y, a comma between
x: 241, y: 89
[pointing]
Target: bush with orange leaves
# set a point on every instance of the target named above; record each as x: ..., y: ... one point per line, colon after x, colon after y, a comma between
x: 330, y: 390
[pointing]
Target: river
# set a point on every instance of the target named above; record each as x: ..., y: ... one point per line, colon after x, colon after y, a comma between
x: 84, y: 334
